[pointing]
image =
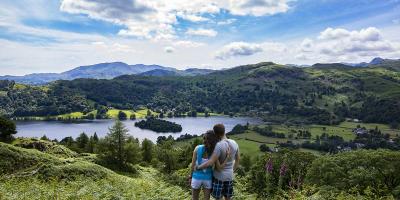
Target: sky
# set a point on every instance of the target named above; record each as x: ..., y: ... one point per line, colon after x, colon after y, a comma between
x: 38, y: 36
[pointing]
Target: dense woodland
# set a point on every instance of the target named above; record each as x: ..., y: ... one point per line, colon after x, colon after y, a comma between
x: 319, y: 94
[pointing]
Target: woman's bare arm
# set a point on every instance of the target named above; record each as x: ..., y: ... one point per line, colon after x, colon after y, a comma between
x: 218, y: 165
x: 194, y: 158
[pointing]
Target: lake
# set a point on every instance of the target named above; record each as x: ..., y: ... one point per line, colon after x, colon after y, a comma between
x: 61, y: 129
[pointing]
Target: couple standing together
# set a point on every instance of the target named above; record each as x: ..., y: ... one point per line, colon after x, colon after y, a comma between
x: 213, y: 164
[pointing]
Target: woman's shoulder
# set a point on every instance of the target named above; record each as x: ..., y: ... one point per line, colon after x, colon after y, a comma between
x: 199, y: 146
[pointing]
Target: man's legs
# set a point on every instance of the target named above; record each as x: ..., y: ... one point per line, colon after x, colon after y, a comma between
x: 217, y: 186
x: 227, y: 190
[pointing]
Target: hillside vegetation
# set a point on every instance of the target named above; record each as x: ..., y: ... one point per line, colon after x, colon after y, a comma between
x: 31, y: 174
x: 364, y: 174
x: 323, y: 94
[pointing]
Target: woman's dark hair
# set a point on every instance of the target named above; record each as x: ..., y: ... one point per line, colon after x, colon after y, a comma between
x: 210, y: 140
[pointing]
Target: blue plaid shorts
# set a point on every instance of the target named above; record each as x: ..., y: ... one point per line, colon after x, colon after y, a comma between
x: 222, y: 188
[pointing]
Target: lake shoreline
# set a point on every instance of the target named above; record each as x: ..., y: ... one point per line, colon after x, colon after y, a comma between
x: 61, y: 128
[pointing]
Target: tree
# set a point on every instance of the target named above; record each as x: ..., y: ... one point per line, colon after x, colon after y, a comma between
x: 159, y: 125
x: 101, y: 113
x: 7, y: 129
x: 246, y: 162
x: 132, y: 152
x: 147, y: 150
x: 264, y: 148
x: 122, y: 115
x: 67, y: 141
x: 91, y: 145
x: 117, y: 149
x: 95, y: 137
x: 82, y: 140
x: 193, y: 113
x: 132, y: 117
x: 377, y: 169
x: 90, y: 116
x: 44, y: 137
x: 394, y: 125
x: 170, y: 114
x: 168, y: 156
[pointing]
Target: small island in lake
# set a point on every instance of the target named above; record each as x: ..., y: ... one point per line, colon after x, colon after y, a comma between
x: 159, y: 126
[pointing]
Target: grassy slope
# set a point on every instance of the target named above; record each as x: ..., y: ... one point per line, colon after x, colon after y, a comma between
x: 31, y: 174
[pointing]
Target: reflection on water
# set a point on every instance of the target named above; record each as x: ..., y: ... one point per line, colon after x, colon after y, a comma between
x: 60, y: 129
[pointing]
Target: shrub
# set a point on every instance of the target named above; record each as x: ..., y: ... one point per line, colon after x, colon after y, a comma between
x: 358, y: 171
x: 275, y: 172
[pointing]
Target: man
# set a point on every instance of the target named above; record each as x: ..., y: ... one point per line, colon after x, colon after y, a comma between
x: 223, y: 179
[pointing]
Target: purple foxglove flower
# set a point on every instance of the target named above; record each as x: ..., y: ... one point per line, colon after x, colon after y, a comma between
x: 283, y: 169
x: 268, y: 166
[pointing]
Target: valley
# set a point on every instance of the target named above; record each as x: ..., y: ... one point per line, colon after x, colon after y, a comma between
x: 302, y: 118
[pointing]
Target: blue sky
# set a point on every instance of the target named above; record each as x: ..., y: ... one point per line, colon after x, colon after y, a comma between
x: 57, y: 35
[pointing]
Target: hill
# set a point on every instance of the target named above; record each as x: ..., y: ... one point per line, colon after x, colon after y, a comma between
x: 97, y: 71
x: 159, y: 72
x: 323, y: 94
x: 377, y: 62
x: 31, y: 174
x: 361, y: 174
x: 105, y: 71
x: 186, y: 72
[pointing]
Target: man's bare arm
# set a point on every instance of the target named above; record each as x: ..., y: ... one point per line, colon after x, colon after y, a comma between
x: 237, y: 159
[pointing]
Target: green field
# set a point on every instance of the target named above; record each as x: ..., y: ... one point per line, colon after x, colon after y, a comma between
x: 250, y: 141
x: 76, y: 115
x: 344, y: 129
x: 113, y: 113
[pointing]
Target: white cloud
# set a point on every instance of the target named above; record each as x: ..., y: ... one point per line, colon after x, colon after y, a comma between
x: 331, y: 34
x: 258, y: 7
x: 114, y: 47
x: 202, y: 32
x: 227, y: 22
x: 169, y: 49
x: 368, y: 34
x: 155, y: 19
x: 307, y: 45
x: 344, y: 45
x: 193, y: 18
x: 235, y: 49
x: 187, y: 44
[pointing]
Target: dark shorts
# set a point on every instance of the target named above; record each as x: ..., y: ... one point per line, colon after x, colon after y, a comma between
x: 222, y: 188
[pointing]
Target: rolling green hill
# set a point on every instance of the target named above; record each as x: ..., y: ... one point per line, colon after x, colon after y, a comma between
x: 47, y: 174
x: 32, y: 174
x: 323, y: 93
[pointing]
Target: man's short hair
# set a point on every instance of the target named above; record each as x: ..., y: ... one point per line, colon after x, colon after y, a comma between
x: 219, y: 130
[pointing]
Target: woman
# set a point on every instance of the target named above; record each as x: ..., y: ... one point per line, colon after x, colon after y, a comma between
x: 203, y: 178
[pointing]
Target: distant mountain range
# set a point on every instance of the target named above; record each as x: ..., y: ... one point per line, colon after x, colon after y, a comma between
x: 175, y: 72
x: 105, y: 71
x: 115, y: 69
